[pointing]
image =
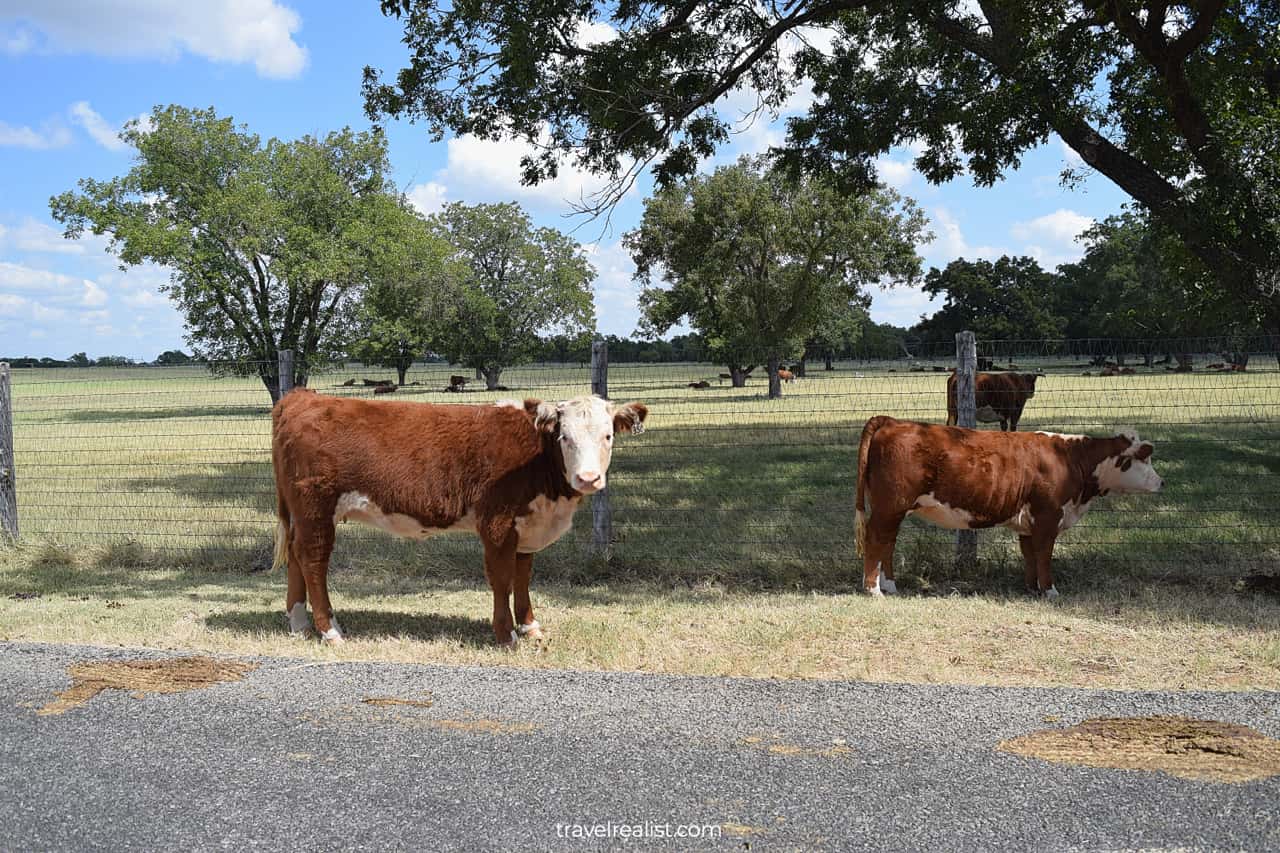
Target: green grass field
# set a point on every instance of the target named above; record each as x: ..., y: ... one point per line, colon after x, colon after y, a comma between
x: 728, y: 504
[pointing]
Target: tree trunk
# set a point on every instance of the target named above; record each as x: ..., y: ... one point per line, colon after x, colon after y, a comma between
x: 798, y: 367
x: 1184, y: 362
x: 1147, y: 358
x: 401, y: 369
x: 273, y: 387
x: 738, y: 376
x: 775, y: 381
x: 491, y: 375
x: 827, y: 365
x: 479, y: 373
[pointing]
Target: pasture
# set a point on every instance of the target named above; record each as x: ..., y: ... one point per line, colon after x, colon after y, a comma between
x: 146, y: 506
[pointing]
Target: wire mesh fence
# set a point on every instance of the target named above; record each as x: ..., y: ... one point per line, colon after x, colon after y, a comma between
x: 726, y: 485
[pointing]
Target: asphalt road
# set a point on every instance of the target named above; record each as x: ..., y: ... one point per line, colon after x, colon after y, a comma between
x: 506, y: 759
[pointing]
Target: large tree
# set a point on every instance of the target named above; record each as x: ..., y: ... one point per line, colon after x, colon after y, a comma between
x: 518, y: 282
x: 1009, y: 299
x: 268, y: 244
x: 1177, y: 103
x: 757, y: 261
x: 402, y: 313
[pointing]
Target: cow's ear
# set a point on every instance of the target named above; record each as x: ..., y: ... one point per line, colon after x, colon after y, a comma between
x: 545, y: 415
x: 630, y: 416
x: 1144, y: 451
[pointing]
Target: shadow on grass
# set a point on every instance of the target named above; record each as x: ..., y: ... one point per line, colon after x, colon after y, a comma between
x: 162, y: 412
x: 366, y: 625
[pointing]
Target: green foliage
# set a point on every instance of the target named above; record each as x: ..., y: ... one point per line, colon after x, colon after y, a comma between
x: 516, y: 281
x: 410, y: 290
x: 269, y: 244
x: 1010, y: 299
x: 1178, y: 104
x: 173, y: 357
x: 758, y: 263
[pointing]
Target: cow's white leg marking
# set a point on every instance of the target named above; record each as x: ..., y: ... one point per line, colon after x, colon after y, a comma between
x: 533, y: 630
x: 515, y: 640
x: 298, y: 620
x: 334, y: 635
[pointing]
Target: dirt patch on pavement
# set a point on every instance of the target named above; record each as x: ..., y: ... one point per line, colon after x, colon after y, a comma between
x: 172, y: 675
x: 392, y: 701
x: 774, y: 745
x: 1204, y: 750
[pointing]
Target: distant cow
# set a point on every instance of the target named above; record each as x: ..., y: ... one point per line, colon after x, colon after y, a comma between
x: 512, y: 473
x: 1038, y: 484
x: 349, y: 383
x: 457, y: 382
x: 374, y: 383
x: 786, y: 375
x: 701, y: 383
x: 985, y: 363
x: 998, y: 397
x: 389, y: 388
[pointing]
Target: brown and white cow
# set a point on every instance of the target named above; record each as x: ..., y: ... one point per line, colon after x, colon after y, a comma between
x: 1038, y: 484
x: 512, y: 473
x: 998, y: 397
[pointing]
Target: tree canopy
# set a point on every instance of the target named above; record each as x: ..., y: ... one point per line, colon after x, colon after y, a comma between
x: 1008, y: 299
x: 757, y: 262
x: 1177, y: 103
x: 518, y: 281
x: 269, y: 244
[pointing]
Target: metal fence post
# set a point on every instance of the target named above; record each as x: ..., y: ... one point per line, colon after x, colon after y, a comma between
x: 285, y: 358
x: 601, y: 512
x: 8, y: 476
x: 966, y: 416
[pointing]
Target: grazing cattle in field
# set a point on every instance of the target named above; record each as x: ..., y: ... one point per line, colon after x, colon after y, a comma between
x: 457, y: 382
x: 998, y: 397
x: 786, y: 375
x: 701, y: 383
x: 374, y: 383
x: 349, y: 383
x: 1038, y: 484
x: 384, y: 389
x: 512, y: 473
x: 985, y: 363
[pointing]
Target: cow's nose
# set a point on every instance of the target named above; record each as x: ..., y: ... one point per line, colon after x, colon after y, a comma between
x: 587, y: 480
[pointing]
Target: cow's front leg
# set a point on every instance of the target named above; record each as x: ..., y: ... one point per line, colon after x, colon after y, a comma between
x: 1043, y: 535
x: 500, y: 569
x: 526, y: 625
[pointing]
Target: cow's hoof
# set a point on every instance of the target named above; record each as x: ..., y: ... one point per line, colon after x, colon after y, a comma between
x: 1051, y: 593
x: 512, y: 644
x: 532, y: 631
x: 888, y: 587
x: 333, y: 636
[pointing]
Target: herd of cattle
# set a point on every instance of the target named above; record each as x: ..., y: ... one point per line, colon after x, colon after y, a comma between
x: 514, y: 473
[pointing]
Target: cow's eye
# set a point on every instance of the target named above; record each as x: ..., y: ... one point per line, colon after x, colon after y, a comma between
x: 608, y: 437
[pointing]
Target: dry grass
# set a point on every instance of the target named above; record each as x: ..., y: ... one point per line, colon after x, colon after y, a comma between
x: 1125, y: 635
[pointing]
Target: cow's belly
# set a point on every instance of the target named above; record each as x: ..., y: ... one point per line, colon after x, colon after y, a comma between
x: 943, y: 515
x: 1072, y: 512
x: 546, y: 522
x: 354, y: 506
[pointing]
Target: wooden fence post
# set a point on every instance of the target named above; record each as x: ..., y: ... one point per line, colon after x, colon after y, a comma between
x: 601, y: 512
x: 966, y: 416
x: 285, y: 359
x: 8, y: 476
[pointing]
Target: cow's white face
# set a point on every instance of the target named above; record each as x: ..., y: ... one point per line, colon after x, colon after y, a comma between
x: 1131, y: 471
x: 585, y: 428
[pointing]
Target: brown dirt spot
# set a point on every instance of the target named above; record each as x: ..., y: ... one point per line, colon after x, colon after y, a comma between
x: 742, y: 830
x: 388, y: 701
x: 774, y: 745
x: 172, y: 675
x: 481, y: 726
x: 1203, y: 750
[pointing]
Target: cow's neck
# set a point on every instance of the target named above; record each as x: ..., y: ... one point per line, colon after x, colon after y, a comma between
x: 1094, y: 454
x: 550, y: 471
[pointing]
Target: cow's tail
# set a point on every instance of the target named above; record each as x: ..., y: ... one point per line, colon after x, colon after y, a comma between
x: 860, y: 507
x: 282, y: 532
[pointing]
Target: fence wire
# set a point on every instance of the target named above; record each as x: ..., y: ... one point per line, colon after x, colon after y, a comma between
x: 725, y: 485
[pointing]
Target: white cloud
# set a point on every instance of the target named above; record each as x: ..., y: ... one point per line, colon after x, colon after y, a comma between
x: 93, y: 294
x: 145, y: 299
x: 950, y: 243
x: 594, y: 32
x: 902, y: 305
x: 49, y: 136
x: 484, y: 169
x: 105, y: 330
x: 18, y: 43
x: 34, y: 236
x: 1062, y: 226
x: 12, y: 305
x: 97, y: 127
x: 616, y: 295
x: 895, y: 173
x: 19, y: 277
x: 428, y: 198
x: 233, y: 31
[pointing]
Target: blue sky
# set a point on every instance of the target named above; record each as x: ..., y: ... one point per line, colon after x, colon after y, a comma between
x: 76, y: 72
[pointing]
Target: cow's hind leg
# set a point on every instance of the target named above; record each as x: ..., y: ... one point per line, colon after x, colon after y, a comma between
x: 499, y: 569
x: 311, y: 545
x: 1037, y: 551
x: 877, y: 561
x: 526, y: 624
x: 295, y: 601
